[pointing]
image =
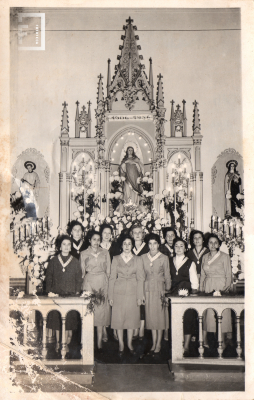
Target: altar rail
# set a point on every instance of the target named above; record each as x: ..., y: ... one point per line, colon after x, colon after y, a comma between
x: 201, y: 303
x: 64, y: 305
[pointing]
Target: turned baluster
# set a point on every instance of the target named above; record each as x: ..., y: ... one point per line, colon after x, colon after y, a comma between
x: 238, y: 338
x: 63, y: 351
x: 220, y: 349
x: 201, y: 348
x: 44, y: 338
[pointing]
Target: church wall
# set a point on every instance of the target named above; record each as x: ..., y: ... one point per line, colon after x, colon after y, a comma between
x: 206, y: 66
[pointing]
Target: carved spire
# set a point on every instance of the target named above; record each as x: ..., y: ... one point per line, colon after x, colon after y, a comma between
x: 151, y: 77
x: 184, y: 119
x: 109, y: 77
x: 196, y: 121
x: 129, y: 60
x: 77, y: 133
x: 65, y: 121
x: 100, y: 94
x: 160, y: 93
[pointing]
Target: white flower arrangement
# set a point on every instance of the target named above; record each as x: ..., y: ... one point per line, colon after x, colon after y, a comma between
x: 183, y: 292
x: 116, y: 173
x: 217, y: 293
x: 20, y: 295
x: 147, y: 173
x: 241, y: 276
x: 51, y: 294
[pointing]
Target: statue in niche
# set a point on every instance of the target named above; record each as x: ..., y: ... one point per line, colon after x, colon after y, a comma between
x: 29, y: 187
x: 131, y: 169
x: 232, y: 187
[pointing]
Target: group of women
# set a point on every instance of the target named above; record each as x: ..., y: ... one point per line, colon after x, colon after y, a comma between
x: 135, y: 274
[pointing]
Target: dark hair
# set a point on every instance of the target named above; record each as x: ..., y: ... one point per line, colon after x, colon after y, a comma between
x: 123, y: 238
x: 152, y: 236
x: 104, y: 226
x: 91, y: 233
x: 179, y: 239
x: 192, y: 234
x: 59, y: 241
x: 72, y: 224
x: 126, y: 154
x: 168, y: 229
x: 213, y: 235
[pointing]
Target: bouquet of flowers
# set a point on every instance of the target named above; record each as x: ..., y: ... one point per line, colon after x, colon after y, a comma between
x: 116, y: 193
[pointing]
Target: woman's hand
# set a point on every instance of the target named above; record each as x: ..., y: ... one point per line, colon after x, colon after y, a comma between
x: 143, y: 301
x: 139, y: 302
x: 111, y: 302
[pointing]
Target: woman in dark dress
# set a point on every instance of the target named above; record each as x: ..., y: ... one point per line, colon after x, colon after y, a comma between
x: 198, y: 250
x: 140, y: 248
x: 169, y: 235
x: 63, y: 277
x: 184, y: 276
x: 76, y: 231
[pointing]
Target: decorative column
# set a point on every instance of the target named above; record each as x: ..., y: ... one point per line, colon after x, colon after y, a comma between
x: 63, y: 184
x: 44, y: 339
x: 195, y: 198
x: 192, y: 201
x: 201, y: 348
x: 68, y: 194
x: 155, y: 185
x: 201, y: 200
x: 220, y: 349
x: 238, y: 338
x: 197, y: 141
x: 107, y: 172
x: 63, y: 351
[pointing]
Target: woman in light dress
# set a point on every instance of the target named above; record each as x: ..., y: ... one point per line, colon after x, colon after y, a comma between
x: 95, y: 265
x: 216, y: 275
x: 126, y: 284
x: 157, y: 282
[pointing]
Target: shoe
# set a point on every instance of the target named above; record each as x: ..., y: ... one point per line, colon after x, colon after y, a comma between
x: 135, y: 337
x: 104, y: 339
x: 120, y: 353
x: 100, y: 350
x: 141, y: 338
x: 57, y: 347
x: 156, y: 354
x: 115, y: 338
x: 133, y: 352
x: 150, y: 353
x: 166, y: 339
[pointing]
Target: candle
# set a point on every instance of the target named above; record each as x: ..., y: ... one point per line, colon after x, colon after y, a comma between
x: 224, y: 226
x: 179, y: 156
x: 13, y: 236
x: 230, y: 228
x: 169, y: 189
x: 237, y: 229
x: 19, y: 233
x: 219, y: 221
x: 42, y: 223
x: 24, y: 232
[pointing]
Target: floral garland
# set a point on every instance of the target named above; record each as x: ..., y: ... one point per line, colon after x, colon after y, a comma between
x: 234, y: 245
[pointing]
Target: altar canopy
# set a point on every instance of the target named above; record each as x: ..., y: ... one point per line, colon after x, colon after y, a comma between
x: 163, y: 172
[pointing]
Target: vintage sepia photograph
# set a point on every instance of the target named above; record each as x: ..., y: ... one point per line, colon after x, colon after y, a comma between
x: 127, y: 202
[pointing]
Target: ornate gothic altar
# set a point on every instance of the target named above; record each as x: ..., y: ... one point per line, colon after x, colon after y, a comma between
x: 130, y: 115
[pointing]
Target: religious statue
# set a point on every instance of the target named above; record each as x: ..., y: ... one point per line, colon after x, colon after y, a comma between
x: 30, y: 189
x: 131, y: 169
x: 232, y: 188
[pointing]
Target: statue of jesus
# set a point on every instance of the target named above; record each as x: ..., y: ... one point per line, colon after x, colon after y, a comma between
x: 132, y: 169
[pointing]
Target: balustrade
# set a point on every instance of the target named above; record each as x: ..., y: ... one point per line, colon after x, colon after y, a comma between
x: 201, y: 303
x: 63, y: 305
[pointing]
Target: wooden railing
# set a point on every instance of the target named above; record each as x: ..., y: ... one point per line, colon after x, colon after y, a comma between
x: 201, y: 303
x: 63, y: 305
